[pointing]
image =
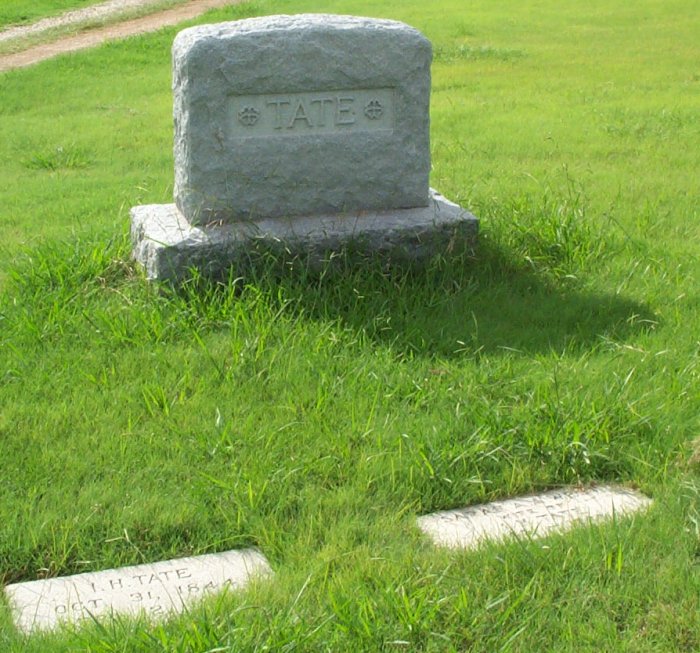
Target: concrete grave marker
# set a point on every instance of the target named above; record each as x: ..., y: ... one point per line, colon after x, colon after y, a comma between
x: 311, y: 131
x: 152, y: 589
x: 533, y: 516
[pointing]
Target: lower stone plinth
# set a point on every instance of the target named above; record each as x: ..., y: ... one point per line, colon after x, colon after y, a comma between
x: 168, y: 247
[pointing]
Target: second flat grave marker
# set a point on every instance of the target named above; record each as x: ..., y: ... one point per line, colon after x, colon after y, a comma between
x: 532, y: 516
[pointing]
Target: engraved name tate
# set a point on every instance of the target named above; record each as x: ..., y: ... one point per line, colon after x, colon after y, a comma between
x: 312, y: 113
x: 316, y: 114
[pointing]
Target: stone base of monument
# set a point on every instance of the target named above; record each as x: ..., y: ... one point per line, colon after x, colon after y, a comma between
x: 169, y: 247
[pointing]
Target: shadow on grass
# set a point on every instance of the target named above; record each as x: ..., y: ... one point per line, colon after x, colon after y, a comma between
x: 494, y: 300
x: 507, y: 308
x: 468, y: 303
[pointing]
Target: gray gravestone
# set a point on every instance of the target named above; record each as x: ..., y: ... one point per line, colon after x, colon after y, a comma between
x: 295, y: 115
x: 308, y: 130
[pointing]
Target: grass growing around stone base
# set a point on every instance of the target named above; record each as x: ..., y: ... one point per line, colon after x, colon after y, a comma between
x: 316, y: 413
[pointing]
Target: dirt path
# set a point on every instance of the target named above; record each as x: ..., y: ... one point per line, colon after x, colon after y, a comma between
x: 89, y: 38
x: 100, y: 11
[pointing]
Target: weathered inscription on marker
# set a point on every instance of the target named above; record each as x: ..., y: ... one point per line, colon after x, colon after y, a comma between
x: 533, y: 516
x: 320, y: 112
x: 155, y: 589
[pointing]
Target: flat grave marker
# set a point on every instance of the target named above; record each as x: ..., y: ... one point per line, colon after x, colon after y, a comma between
x: 156, y: 589
x: 532, y: 516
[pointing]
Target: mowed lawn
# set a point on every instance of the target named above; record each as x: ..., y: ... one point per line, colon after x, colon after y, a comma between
x: 315, y: 414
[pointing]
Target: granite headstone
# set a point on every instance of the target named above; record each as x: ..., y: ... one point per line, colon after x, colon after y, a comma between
x: 310, y: 131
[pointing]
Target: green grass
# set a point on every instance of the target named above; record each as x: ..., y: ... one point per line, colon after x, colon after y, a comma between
x: 315, y: 413
x: 18, y: 12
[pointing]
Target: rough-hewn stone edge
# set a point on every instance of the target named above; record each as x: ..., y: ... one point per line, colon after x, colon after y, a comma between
x: 221, y: 175
x: 532, y: 516
x: 259, y: 26
x: 168, y: 247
